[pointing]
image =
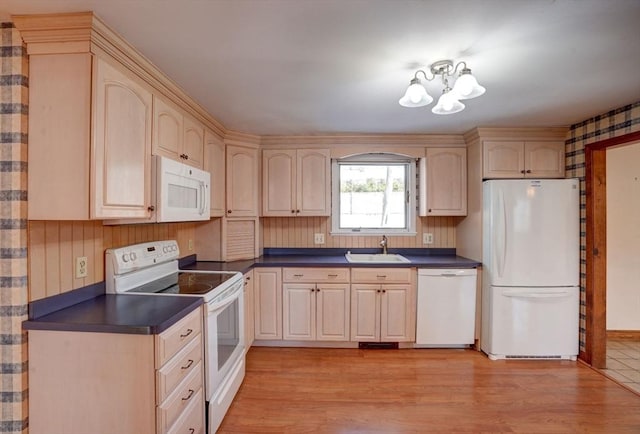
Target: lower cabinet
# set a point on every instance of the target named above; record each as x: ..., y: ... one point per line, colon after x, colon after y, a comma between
x: 105, y: 383
x: 383, y: 305
x: 249, y: 328
x: 267, y: 303
x: 315, y: 304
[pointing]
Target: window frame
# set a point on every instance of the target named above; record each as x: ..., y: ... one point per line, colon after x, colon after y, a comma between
x: 376, y: 159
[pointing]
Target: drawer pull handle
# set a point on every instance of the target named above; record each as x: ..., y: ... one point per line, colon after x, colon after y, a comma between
x: 189, y: 331
x: 191, y: 392
x: 332, y: 275
x: 188, y: 365
x: 381, y: 276
x: 298, y: 275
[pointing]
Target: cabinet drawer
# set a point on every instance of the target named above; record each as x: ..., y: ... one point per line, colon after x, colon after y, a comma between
x: 381, y: 275
x: 191, y: 421
x: 315, y: 275
x: 178, y: 368
x: 172, y: 340
x: 175, y: 405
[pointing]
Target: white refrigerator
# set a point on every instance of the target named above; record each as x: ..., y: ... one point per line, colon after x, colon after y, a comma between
x: 531, y: 269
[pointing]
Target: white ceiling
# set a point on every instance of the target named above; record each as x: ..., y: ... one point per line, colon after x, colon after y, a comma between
x: 339, y: 66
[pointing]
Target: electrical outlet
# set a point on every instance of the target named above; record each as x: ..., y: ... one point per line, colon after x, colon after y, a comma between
x: 427, y: 238
x: 81, y: 267
x: 190, y: 245
x: 318, y: 238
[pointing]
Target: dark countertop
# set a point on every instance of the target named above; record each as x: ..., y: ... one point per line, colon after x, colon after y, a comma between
x: 130, y: 314
x: 420, y: 258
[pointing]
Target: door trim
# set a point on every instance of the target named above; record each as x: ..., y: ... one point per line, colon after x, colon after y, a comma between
x: 596, y: 248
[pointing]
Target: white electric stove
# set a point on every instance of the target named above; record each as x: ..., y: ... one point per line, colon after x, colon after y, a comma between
x: 152, y: 268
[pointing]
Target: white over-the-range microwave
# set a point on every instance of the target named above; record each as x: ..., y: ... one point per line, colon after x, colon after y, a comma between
x: 179, y: 192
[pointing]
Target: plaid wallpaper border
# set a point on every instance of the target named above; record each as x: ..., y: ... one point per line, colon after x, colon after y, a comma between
x: 13, y: 230
x: 615, y: 123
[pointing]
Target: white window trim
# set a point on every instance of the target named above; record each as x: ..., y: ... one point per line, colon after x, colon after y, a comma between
x: 411, y: 207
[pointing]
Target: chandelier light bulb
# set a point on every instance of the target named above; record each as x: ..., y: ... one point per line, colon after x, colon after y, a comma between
x: 448, y: 103
x: 467, y: 86
x: 416, y: 95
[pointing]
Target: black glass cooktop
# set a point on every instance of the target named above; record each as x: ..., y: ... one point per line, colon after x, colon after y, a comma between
x: 186, y: 283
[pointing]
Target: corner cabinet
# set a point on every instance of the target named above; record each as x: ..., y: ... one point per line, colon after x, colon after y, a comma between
x: 296, y: 182
x: 88, y: 114
x: 523, y: 159
x: 383, y: 305
x: 242, y: 181
x: 443, y: 182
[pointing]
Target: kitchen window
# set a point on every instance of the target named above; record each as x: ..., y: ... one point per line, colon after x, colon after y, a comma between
x: 374, y: 194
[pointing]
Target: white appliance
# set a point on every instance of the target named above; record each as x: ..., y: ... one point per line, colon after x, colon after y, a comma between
x: 446, y: 311
x: 531, y: 257
x: 152, y: 268
x: 182, y: 192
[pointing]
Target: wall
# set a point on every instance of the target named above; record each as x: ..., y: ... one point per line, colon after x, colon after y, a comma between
x: 623, y: 237
x: 618, y: 122
x: 54, y: 245
x: 299, y: 231
x: 13, y: 230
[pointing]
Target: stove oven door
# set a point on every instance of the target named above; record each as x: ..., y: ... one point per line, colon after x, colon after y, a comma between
x: 225, y: 351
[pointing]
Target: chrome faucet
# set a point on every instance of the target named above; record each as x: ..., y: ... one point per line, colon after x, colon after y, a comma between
x: 383, y: 244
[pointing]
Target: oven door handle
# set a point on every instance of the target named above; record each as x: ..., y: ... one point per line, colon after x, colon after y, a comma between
x: 216, y: 306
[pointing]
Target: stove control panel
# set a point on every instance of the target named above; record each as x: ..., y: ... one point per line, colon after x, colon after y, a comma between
x: 137, y: 256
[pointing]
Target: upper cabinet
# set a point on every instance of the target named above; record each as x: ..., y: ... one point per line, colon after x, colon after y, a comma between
x: 214, y: 163
x: 523, y: 159
x: 242, y: 181
x: 443, y: 186
x: 89, y: 139
x: 176, y: 135
x: 98, y: 109
x: 296, y: 182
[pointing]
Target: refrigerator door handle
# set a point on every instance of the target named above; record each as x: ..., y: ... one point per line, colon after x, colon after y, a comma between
x: 500, y: 234
x: 555, y: 294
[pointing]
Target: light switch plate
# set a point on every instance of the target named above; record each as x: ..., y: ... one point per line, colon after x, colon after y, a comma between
x: 427, y: 238
x: 318, y: 238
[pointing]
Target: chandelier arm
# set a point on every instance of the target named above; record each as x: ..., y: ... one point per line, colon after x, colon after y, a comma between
x: 457, y: 65
x: 425, y: 75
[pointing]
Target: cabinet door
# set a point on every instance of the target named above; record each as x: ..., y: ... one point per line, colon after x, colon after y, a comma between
x: 365, y: 312
x: 332, y: 312
x: 279, y: 183
x: 121, y: 157
x: 313, y: 193
x: 242, y: 181
x: 193, y: 142
x: 397, y: 317
x: 299, y: 311
x: 214, y: 164
x: 168, y: 129
x: 268, y: 303
x: 249, y: 321
x: 544, y: 159
x: 503, y: 160
x: 446, y: 182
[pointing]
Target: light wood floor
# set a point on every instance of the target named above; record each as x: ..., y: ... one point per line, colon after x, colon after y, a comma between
x: 294, y: 390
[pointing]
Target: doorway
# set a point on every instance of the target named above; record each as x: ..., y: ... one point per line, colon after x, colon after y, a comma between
x: 596, y: 248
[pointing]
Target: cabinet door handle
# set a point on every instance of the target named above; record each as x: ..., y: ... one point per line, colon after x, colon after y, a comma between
x: 378, y: 290
x: 151, y: 208
x: 522, y: 171
x: 188, y: 397
x: 528, y: 171
x: 229, y: 211
x: 192, y: 430
x: 189, y: 331
x: 188, y: 365
x: 384, y: 290
x: 293, y: 211
x: 297, y: 211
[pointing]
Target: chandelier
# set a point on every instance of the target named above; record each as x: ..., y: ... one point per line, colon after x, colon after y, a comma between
x: 465, y: 87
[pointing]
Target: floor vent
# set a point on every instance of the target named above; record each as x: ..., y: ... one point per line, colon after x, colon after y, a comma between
x: 378, y: 345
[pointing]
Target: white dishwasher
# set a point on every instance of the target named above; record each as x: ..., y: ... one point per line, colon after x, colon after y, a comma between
x: 446, y: 311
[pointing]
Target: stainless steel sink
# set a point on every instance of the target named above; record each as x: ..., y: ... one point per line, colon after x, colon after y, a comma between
x: 375, y: 258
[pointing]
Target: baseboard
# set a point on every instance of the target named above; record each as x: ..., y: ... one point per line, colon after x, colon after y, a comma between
x: 630, y: 335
